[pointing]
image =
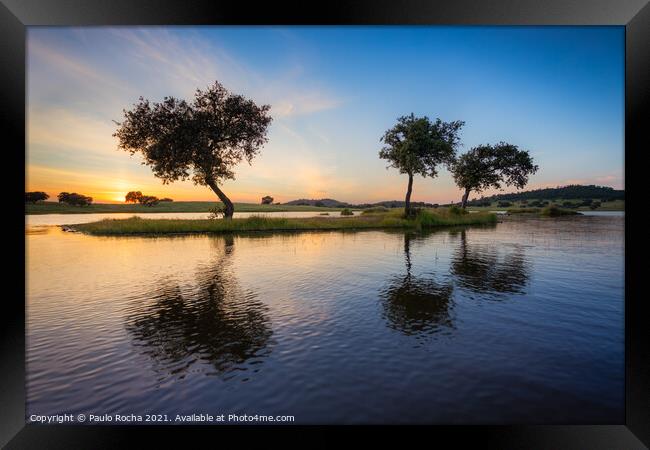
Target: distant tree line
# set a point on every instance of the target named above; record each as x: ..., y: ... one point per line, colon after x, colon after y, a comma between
x: 69, y: 198
x: 570, y: 192
x: 145, y: 200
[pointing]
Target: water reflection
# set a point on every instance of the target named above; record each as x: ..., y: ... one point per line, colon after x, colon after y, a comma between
x: 480, y: 268
x: 416, y: 305
x: 215, y: 322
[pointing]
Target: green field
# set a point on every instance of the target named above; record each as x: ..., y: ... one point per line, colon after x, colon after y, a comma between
x: 163, y: 207
x: 393, y: 219
x: 614, y: 205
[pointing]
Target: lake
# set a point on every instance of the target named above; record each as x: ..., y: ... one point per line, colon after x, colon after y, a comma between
x: 521, y: 322
x: 71, y: 219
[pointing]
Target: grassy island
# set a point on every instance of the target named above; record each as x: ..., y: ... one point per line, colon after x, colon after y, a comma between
x: 390, y: 220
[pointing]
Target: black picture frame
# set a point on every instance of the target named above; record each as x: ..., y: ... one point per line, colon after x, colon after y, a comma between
x: 16, y: 15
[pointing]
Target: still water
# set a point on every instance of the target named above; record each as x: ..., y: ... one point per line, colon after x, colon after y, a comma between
x: 518, y: 322
x: 71, y: 219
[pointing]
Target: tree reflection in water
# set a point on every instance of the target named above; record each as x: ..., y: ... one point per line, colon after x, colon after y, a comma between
x: 218, y: 322
x: 478, y: 268
x: 415, y: 305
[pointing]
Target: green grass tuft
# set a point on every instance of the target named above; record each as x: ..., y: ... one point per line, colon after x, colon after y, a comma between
x: 375, y: 210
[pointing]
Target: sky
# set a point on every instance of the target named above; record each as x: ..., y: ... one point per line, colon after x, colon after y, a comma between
x: 555, y: 91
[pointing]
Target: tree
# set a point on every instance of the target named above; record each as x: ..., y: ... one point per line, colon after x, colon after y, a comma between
x: 267, y: 200
x: 166, y: 199
x: 490, y: 166
x: 133, y: 197
x: 203, y: 139
x: 36, y: 196
x: 149, y: 200
x: 74, y: 199
x: 417, y: 146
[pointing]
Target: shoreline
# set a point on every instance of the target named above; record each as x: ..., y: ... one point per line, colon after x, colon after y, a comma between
x: 204, y: 207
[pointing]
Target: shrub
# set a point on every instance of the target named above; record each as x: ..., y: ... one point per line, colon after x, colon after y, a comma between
x: 166, y: 199
x: 33, y: 197
x: 569, y: 205
x: 594, y: 205
x: 346, y: 212
x: 504, y: 204
x: 554, y: 211
x: 267, y: 200
x: 375, y: 210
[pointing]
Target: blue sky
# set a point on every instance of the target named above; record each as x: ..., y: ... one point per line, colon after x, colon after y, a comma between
x: 333, y: 91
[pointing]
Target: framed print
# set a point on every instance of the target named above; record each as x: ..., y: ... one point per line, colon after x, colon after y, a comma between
x: 369, y: 216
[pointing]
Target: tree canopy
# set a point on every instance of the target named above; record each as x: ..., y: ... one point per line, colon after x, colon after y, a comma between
x: 490, y: 166
x: 74, y: 199
x: 149, y: 200
x: 418, y: 146
x: 146, y: 200
x: 133, y: 197
x: 203, y: 139
x: 36, y: 196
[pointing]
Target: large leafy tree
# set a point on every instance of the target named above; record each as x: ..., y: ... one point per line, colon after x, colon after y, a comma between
x: 203, y: 139
x: 418, y: 146
x: 490, y: 166
x: 36, y: 196
x: 74, y: 199
x: 133, y: 197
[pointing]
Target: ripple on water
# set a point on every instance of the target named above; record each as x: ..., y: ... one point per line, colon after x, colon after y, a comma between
x: 523, y: 320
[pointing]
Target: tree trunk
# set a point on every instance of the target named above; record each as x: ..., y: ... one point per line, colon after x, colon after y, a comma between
x: 407, y: 202
x: 228, y: 207
x: 465, y: 196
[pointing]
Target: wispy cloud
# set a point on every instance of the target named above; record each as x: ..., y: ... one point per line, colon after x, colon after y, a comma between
x: 190, y: 61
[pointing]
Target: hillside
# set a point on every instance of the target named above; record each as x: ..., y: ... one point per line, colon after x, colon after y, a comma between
x: 331, y: 203
x: 327, y: 202
x: 570, y: 192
